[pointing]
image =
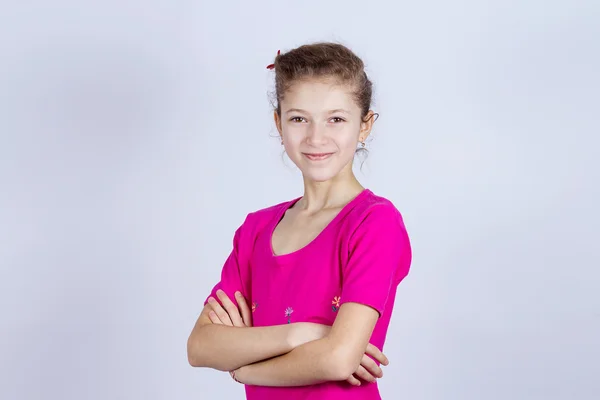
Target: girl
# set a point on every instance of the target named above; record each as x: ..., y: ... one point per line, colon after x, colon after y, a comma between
x: 306, y: 295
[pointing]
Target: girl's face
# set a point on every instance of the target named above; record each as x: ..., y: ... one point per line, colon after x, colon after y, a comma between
x: 321, y: 126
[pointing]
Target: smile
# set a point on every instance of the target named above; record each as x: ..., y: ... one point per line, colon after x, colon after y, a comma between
x: 317, y: 156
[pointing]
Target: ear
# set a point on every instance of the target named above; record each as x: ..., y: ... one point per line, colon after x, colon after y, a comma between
x: 277, y: 121
x: 366, y: 125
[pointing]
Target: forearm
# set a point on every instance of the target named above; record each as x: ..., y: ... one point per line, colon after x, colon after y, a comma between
x: 226, y: 348
x: 309, y: 364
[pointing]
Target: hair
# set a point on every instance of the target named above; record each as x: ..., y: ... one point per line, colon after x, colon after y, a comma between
x: 323, y: 60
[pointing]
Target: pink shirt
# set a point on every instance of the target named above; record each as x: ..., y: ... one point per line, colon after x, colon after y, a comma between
x: 361, y: 256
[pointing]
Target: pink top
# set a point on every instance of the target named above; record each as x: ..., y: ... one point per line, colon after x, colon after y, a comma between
x: 361, y: 256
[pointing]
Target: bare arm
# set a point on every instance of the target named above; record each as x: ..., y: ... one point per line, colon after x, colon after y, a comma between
x: 227, y: 348
x: 333, y: 358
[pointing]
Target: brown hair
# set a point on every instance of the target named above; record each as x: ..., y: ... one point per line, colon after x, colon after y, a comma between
x: 322, y: 60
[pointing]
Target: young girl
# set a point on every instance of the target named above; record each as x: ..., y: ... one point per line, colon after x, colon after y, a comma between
x: 306, y: 295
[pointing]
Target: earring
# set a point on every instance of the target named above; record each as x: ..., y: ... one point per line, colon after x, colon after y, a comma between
x: 282, y: 141
x: 362, y: 144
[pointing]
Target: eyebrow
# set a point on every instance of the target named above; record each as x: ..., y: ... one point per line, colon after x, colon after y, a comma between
x: 291, y: 110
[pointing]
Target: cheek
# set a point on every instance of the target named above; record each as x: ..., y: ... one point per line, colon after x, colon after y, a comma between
x: 293, y: 133
x: 292, y: 141
x: 347, y: 139
x: 292, y: 146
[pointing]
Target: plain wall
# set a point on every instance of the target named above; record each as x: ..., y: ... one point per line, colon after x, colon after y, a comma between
x: 136, y: 136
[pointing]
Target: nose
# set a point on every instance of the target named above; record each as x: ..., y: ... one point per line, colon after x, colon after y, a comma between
x: 316, y: 135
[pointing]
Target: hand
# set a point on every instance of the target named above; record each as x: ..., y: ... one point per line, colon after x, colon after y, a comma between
x: 228, y: 313
x: 368, y: 370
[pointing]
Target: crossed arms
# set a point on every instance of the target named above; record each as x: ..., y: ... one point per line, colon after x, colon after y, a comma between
x: 297, y: 354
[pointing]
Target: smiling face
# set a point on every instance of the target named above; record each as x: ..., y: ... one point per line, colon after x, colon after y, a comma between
x: 321, y: 126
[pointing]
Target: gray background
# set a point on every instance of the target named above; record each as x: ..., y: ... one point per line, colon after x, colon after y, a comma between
x: 135, y: 137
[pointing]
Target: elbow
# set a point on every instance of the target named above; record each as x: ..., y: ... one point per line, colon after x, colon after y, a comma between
x: 193, y: 355
x: 200, y: 356
x: 196, y: 351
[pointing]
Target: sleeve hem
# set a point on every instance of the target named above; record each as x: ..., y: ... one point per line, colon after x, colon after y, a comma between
x: 365, y: 302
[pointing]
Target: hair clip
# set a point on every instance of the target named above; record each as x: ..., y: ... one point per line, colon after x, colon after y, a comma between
x: 271, y: 66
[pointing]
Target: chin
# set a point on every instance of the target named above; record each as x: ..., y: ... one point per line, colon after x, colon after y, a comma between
x: 320, y: 172
x: 319, y: 176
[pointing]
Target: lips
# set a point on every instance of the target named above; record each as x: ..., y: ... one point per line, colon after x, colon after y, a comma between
x: 317, y: 156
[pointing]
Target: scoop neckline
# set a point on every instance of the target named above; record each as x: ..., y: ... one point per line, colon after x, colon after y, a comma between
x: 281, y: 213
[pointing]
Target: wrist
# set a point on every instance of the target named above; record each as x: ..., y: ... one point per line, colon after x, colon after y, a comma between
x: 301, y: 333
x: 295, y: 335
x: 238, y: 375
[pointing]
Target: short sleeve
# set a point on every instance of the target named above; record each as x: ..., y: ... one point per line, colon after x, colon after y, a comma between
x: 233, y: 273
x: 379, y: 258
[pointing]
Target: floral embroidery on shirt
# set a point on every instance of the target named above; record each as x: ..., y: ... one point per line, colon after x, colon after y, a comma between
x: 335, y: 303
x: 288, y: 314
x: 254, y: 306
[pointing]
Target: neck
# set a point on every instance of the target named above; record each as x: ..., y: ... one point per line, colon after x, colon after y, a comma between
x: 333, y: 193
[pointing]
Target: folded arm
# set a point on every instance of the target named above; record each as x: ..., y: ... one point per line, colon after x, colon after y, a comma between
x: 335, y: 357
x: 226, y: 348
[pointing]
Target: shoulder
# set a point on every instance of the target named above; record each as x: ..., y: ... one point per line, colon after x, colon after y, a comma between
x: 271, y: 211
x: 376, y: 234
x: 377, y: 212
x: 256, y: 220
x: 376, y: 222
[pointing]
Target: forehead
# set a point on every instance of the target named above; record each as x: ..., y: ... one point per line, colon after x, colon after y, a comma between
x: 317, y: 96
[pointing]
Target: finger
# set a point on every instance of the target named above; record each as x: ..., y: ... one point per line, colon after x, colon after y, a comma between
x: 244, y: 309
x: 353, y: 381
x: 232, y: 310
x: 221, y: 313
x: 374, y: 352
x: 363, y: 374
x: 371, y: 366
x: 377, y: 354
x: 217, y: 312
x: 214, y: 318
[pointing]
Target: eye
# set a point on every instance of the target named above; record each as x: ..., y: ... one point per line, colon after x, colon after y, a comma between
x: 338, y: 119
x: 295, y: 119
